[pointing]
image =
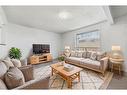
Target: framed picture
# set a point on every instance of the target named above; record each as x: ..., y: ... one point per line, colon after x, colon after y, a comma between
x: 88, y: 39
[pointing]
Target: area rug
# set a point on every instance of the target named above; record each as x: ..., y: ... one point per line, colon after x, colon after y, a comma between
x: 88, y: 79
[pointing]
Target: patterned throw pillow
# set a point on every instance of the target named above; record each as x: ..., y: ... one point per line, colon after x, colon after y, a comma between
x: 88, y: 54
x: 84, y: 54
x: 73, y: 54
x: 100, y: 55
x: 79, y: 54
x: 93, y: 56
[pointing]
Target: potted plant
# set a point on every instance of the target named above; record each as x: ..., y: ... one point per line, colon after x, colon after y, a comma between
x: 15, y: 53
x: 61, y: 59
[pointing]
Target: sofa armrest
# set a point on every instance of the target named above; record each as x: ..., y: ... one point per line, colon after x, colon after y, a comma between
x: 36, y: 84
x: 104, y: 63
x: 27, y: 72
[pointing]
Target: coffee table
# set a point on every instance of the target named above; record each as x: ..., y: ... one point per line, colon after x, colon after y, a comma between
x: 68, y: 76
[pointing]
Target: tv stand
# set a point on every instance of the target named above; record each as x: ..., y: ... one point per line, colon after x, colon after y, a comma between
x: 40, y: 58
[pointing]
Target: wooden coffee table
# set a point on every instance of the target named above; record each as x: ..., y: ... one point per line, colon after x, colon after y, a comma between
x: 68, y: 76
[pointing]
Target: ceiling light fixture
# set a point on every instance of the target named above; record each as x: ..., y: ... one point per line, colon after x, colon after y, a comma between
x: 64, y: 15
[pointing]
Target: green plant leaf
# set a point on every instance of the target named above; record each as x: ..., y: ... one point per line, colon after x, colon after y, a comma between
x: 15, y: 53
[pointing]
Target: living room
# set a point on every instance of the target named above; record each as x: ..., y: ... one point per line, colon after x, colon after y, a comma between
x: 62, y: 28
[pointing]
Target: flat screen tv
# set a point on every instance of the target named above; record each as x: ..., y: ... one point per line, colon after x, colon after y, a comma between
x: 41, y: 48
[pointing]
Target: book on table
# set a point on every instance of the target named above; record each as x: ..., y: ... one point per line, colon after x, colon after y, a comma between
x: 68, y: 67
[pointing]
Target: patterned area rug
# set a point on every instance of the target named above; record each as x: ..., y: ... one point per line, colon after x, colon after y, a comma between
x: 88, y: 79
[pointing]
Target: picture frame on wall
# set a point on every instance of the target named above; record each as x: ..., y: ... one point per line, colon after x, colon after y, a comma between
x: 88, y: 39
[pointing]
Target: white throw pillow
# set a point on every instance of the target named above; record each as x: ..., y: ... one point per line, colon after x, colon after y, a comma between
x: 73, y: 54
x: 8, y: 62
x: 23, y: 62
x: 79, y: 54
x: 16, y: 62
x: 93, y: 56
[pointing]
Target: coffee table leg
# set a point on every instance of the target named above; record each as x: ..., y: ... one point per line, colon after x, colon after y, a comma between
x: 52, y: 71
x: 79, y: 76
x: 69, y: 83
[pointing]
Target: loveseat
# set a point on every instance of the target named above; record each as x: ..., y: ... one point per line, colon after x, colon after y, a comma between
x: 14, y: 75
x: 92, y: 60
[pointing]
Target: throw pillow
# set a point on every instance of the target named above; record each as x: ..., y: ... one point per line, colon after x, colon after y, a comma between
x: 73, y: 54
x: 93, y: 56
x: 14, y: 78
x: 79, y: 54
x: 3, y: 70
x: 24, y: 62
x: 8, y: 62
x: 27, y: 72
x: 100, y: 55
x: 84, y: 54
x: 16, y: 62
x: 88, y: 54
x: 2, y: 85
x: 67, y: 54
x: 7, y: 58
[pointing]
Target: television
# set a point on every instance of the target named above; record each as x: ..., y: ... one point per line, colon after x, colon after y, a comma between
x: 41, y: 48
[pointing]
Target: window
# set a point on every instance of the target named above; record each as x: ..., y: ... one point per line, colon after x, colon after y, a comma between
x: 88, y: 39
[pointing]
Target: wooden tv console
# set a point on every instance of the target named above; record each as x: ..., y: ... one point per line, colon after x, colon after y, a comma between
x: 41, y: 58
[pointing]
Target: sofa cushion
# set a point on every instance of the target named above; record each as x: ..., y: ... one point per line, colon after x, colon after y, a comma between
x: 16, y: 62
x: 14, y: 78
x: 74, y: 59
x: 3, y: 70
x: 8, y: 62
x: 100, y: 55
x: 91, y: 63
x: 2, y: 85
x: 93, y: 56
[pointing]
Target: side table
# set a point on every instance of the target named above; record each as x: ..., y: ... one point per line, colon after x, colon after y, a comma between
x: 116, y: 63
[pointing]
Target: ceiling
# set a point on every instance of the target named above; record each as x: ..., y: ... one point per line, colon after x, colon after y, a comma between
x: 47, y: 17
x: 118, y: 11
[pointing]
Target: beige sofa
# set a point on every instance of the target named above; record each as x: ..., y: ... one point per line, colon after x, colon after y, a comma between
x: 22, y: 77
x: 88, y: 59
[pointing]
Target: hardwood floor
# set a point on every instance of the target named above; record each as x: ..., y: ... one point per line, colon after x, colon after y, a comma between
x: 118, y: 82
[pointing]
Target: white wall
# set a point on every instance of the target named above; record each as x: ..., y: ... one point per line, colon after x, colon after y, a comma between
x: 115, y: 34
x: 23, y: 38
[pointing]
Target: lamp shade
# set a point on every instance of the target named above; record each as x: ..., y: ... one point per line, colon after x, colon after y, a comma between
x: 116, y: 48
x: 116, y: 52
x: 67, y: 47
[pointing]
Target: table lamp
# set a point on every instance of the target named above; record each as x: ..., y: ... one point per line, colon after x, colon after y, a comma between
x: 116, y: 52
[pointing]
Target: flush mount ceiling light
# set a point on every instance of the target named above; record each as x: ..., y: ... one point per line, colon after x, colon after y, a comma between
x: 64, y: 15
